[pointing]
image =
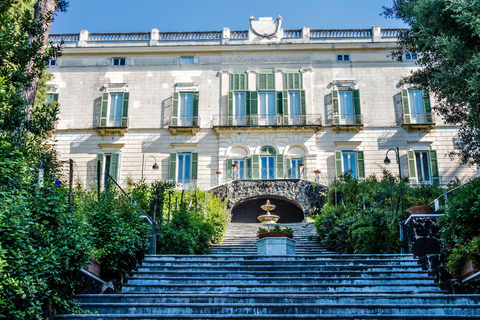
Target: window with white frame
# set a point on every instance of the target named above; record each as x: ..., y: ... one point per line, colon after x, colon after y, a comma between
x: 119, y: 61
x: 422, y: 166
x: 52, y: 62
x: 109, y: 163
x: 187, y: 60
x: 416, y: 106
x: 296, y: 168
x: 114, y: 111
x: 343, y: 57
x: 184, y: 167
x: 346, y: 112
x: 411, y: 56
x: 267, y: 109
x: 351, y: 162
x: 186, y: 109
x: 239, y: 171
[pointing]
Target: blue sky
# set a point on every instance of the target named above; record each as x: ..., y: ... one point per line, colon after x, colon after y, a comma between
x: 210, y: 15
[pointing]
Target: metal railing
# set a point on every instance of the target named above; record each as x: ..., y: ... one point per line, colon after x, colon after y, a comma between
x: 347, y: 119
x: 184, y: 121
x: 427, y: 118
x: 113, y: 122
x: 268, y: 120
x: 108, y: 179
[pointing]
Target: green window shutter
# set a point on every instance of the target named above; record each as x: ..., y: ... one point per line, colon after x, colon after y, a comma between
x: 255, y: 166
x: 114, y: 159
x: 194, y: 165
x: 242, y: 81
x: 279, y: 102
x: 298, y: 81
x: 104, y: 108
x: 303, y: 108
x: 262, y: 81
x: 55, y: 97
x: 172, y: 169
x: 356, y: 107
x: 284, y: 101
x: 232, y: 82
x: 360, y: 166
x: 174, y: 109
x: 229, y: 169
x: 230, y: 108
x: 195, y: 121
x: 434, y: 168
x: 406, y: 108
x: 270, y: 81
x: 427, y: 106
x: 280, y: 173
x: 288, y: 168
x: 126, y: 97
x: 338, y: 163
x: 248, y: 165
x: 411, y: 167
x: 253, y: 107
x: 99, y: 158
x: 335, y: 107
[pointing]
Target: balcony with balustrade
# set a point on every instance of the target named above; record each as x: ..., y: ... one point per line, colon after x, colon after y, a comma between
x: 184, y: 124
x: 262, y: 122
x: 347, y: 121
x: 107, y: 125
x: 418, y: 121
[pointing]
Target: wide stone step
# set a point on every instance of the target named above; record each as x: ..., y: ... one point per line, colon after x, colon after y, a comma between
x: 282, y: 297
x: 406, y: 274
x: 299, y: 264
x: 298, y: 287
x: 334, y: 256
x: 265, y: 316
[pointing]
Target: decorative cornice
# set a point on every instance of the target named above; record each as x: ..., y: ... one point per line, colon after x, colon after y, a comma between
x: 111, y: 145
x: 187, y: 144
x: 348, y: 143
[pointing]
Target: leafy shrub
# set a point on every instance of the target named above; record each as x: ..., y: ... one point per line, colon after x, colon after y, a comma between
x: 276, y: 228
x: 357, y: 217
x: 460, y: 226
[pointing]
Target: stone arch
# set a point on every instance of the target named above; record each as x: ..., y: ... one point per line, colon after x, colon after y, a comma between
x: 248, y: 210
x: 232, y: 150
x: 301, y: 146
x: 266, y: 144
x: 305, y: 193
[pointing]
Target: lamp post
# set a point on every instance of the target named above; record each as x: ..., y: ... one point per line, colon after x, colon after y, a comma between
x: 154, y: 167
x: 387, y: 161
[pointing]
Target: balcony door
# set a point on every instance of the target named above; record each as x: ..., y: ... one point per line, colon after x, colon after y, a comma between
x: 114, y: 118
x: 267, y: 110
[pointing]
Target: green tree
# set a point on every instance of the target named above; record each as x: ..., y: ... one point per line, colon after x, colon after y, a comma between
x: 446, y: 36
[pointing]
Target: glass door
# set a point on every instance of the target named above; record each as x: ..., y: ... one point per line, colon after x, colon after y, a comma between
x: 268, y: 167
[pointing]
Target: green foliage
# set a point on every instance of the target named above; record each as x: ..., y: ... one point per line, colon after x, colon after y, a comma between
x: 276, y: 228
x: 445, y: 35
x: 198, y: 219
x: 363, y: 217
x: 460, y: 226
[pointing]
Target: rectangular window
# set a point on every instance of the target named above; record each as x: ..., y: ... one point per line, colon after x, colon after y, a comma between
x: 187, y: 60
x: 266, y: 81
x: 239, y: 108
x: 109, y: 162
x: 343, y: 57
x: 184, y: 165
x: 240, y: 169
x: 296, y: 168
x: 349, y: 162
x: 345, y: 100
x: 52, y: 62
x: 186, y: 109
x: 51, y: 97
x: 119, y: 61
x: 267, y: 112
x: 294, y: 105
x: 410, y: 56
x: 415, y: 101
x: 267, y: 167
x: 114, y: 112
x: 422, y: 164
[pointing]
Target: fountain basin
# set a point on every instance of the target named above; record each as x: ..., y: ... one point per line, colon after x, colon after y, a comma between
x: 276, y: 247
x: 268, y: 218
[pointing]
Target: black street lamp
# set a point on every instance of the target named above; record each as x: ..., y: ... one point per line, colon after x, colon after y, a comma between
x: 387, y: 161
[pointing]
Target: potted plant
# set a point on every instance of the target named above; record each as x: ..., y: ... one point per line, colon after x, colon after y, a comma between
x: 275, y: 232
x: 464, y: 260
x: 421, y: 206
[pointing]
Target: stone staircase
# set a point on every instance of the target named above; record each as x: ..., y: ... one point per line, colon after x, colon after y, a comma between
x: 233, y: 282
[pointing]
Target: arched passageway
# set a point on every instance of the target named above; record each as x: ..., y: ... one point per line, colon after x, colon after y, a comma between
x: 249, y: 209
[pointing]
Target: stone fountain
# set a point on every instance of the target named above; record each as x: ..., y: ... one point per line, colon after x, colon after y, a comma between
x: 268, y: 218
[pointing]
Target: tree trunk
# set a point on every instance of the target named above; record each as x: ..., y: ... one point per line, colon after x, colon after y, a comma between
x: 43, y: 17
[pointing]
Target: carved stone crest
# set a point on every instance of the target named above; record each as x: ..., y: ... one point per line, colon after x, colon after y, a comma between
x: 266, y: 28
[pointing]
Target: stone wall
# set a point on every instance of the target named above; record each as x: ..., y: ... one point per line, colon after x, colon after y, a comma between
x: 422, y: 234
x: 304, y: 193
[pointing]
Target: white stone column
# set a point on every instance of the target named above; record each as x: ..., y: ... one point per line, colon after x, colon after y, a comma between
x: 376, y: 34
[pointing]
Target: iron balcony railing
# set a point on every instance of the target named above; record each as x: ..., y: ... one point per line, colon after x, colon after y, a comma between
x: 113, y: 122
x: 184, y: 121
x: 268, y: 120
x: 347, y: 119
x: 427, y: 118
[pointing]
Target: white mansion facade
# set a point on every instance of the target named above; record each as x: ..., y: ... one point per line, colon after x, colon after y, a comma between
x: 266, y: 103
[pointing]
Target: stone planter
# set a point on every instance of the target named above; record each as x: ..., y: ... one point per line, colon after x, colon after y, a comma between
x: 469, y: 269
x: 94, y: 267
x: 424, y: 209
x: 276, y: 246
x: 275, y: 235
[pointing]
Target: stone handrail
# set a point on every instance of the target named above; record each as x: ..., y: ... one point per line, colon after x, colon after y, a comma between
x: 181, y: 36
x: 392, y: 33
x: 239, y: 34
x: 345, y: 33
x: 292, y: 33
x: 119, y: 36
x: 64, y: 37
